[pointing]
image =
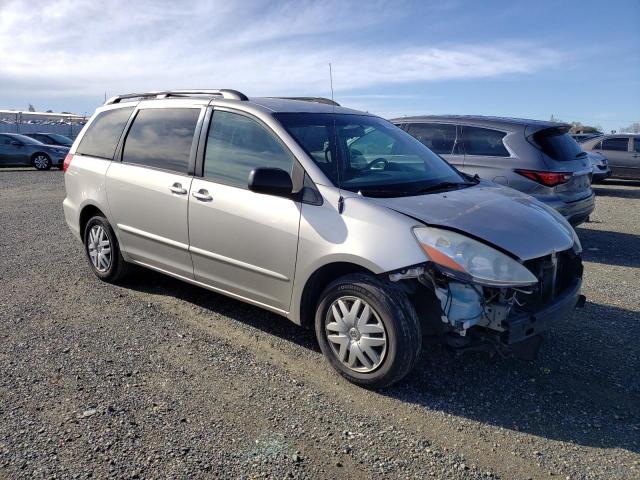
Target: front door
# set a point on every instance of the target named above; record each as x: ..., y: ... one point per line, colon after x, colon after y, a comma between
x: 634, y: 162
x: 148, y: 190
x: 243, y: 243
x: 620, y: 157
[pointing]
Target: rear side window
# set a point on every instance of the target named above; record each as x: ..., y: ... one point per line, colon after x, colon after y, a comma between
x: 637, y: 145
x: 162, y: 138
x: 558, y: 144
x: 236, y: 145
x: 483, y: 141
x: 101, y: 138
x: 440, y: 138
x: 619, y: 144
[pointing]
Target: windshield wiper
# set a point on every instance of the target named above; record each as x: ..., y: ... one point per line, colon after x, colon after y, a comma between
x: 383, y: 193
x: 410, y: 193
x: 443, y: 186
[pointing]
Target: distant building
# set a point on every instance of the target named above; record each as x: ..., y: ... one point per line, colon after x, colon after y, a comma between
x: 19, y: 116
x: 17, y: 121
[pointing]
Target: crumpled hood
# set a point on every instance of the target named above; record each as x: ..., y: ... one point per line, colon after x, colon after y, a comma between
x: 501, y: 216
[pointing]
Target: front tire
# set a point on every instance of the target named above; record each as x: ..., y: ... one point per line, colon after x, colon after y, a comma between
x: 368, y: 330
x: 103, y: 251
x: 41, y: 161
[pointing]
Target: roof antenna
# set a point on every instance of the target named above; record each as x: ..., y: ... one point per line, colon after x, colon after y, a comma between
x: 331, y: 82
x: 335, y: 143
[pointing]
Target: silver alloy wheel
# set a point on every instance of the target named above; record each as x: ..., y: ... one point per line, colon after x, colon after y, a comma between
x: 41, y: 162
x: 356, y: 334
x: 99, y: 248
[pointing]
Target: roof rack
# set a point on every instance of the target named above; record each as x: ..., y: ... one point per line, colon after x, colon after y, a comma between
x: 224, y: 93
x: 326, y: 101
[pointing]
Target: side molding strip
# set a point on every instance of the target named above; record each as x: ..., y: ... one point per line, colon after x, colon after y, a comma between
x: 152, y: 236
x: 237, y: 263
x: 201, y: 252
x: 214, y: 289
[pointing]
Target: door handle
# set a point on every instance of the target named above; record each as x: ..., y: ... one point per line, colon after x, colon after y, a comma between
x: 177, y: 189
x: 202, y: 195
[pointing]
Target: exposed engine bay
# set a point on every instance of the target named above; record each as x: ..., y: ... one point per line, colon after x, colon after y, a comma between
x: 507, y: 320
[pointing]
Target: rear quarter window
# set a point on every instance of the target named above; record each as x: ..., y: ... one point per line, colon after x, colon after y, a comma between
x: 102, y: 136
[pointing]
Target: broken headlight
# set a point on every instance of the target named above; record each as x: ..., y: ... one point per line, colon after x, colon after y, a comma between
x: 469, y: 260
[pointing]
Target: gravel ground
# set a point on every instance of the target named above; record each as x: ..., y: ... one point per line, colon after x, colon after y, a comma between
x: 157, y: 378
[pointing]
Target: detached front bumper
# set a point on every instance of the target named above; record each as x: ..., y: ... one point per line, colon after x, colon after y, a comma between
x: 520, y: 326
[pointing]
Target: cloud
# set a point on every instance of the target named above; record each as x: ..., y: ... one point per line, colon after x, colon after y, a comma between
x: 77, y: 47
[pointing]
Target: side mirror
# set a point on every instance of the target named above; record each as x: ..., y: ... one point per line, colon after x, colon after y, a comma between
x: 270, y: 181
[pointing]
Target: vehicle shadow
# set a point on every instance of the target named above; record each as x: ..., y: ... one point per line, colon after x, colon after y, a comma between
x: 583, y: 388
x: 155, y: 283
x: 608, y: 190
x: 619, y: 181
x: 598, y: 245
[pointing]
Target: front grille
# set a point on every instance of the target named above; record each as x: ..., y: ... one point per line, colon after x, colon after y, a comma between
x: 554, y: 278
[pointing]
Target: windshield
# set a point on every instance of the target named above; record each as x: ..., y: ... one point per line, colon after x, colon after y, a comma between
x: 60, y: 139
x: 369, y: 154
x: 26, y: 140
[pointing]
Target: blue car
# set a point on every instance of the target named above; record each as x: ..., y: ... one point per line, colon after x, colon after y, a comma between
x: 20, y: 150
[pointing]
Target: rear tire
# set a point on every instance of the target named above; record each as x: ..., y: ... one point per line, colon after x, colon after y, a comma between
x: 103, y: 251
x: 368, y: 330
x: 41, y: 161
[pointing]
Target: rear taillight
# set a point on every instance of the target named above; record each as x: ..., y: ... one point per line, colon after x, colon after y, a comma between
x: 548, y: 179
x: 67, y: 162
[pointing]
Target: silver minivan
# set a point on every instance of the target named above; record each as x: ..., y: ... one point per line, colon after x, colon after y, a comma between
x: 622, y: 150
x: 535, y: 157
x: 333, y: 218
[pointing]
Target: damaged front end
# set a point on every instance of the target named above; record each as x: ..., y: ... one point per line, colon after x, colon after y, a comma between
x: 496, y: 304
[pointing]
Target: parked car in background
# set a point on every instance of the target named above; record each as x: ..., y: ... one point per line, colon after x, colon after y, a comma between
x: 581, y: 137
x: 20, y: 150
x: 622, y: 150
x: 333, y: 218
x: 600, y: 166
x: 535, y: 157
x: 51, y: 139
